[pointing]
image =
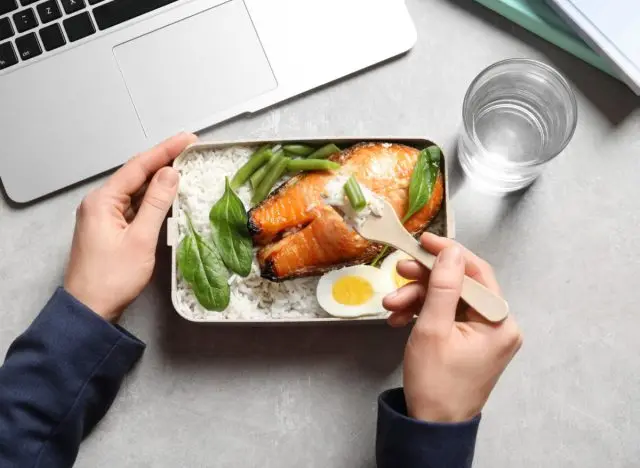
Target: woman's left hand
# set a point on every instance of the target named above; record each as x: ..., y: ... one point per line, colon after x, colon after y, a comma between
x: 113, y: 251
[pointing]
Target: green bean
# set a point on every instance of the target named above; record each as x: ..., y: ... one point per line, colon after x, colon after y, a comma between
x: 257, y: 160
x: 324, y: 152
x: 312, y: 165
x: 380, y: 255
x: 269, y: 180
x: 260, y: 173
x: 354, y: 194
x: 299, y: 149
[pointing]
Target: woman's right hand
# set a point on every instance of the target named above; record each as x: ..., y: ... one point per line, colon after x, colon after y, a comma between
x: 450, y: 367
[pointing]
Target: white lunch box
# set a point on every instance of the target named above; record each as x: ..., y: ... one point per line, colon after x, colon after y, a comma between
x: 442, y: 225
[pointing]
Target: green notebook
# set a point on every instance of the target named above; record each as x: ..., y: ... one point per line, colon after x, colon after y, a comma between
x: 540, y: 19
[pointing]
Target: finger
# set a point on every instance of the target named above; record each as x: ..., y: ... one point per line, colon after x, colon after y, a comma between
x: 445, y: 284
x: 135, y: 201
x: 404, y: 304
x: 475, y: 267
x: 505, y: 336
x: 136, y: 198
x: 132, y: 176
x: 413, y: 270
x: 398, y: 320
x: 156, y: 204
x: 409, y: 296
x: 129, y: 214
x: 402, y: 317
x: 481, y: 324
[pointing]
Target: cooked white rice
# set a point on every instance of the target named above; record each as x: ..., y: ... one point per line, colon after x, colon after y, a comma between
x: 252, y: 298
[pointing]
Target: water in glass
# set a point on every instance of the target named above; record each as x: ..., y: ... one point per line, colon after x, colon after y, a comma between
x: 517, y: 115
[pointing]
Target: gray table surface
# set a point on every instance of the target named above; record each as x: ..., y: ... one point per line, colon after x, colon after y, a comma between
x: 566, y: 252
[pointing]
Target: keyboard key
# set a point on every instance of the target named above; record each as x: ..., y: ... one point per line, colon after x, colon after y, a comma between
x: 25, y: 20
x: 6, y: 30
x: 52, y: 37
x: 8, y: 56
x: 27, y: 2
x: 71, y: 6
x: 49, y: 11
x: 78, y: 27
x: 28, y: 46
x: 119, y: 11
x: 8, y: 5
x: 93, y: 2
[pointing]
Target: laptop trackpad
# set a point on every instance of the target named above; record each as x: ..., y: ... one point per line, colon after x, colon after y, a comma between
x: 185, y: 73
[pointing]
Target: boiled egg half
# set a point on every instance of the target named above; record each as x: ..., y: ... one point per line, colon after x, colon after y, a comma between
x: 353, y: 291
x: 389, y: 268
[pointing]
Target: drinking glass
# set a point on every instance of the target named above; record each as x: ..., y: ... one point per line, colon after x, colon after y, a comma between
x: 518, y: 114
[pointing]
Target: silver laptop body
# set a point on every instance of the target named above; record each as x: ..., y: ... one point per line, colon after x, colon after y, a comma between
x: 92, y: 82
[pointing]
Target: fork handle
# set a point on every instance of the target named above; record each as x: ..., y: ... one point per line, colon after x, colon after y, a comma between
x: 488, y: 304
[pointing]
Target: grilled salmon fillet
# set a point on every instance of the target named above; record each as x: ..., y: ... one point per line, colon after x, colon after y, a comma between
x: 300, y: 235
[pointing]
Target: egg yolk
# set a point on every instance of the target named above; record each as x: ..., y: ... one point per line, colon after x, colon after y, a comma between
x: 352, y: 290
x: 398, y: 280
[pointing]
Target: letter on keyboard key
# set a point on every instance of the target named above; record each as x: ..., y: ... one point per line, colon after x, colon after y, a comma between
x: 52, y: 37
x: 8, y: 5
x: 28, y: 46
x: 119, y: 11
x: 6, y: 30
x: 49, y: 11
x: 79, y: 27
x: 8, y: 56
x: 25, y: 20
x: 71, y: 6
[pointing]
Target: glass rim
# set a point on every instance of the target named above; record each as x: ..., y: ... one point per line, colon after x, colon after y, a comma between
x: 540, y: 65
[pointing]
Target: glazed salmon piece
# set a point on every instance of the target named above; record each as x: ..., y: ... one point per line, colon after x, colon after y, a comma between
x: 302, y: 236
x: 326, y: 242
x: 276, y: 214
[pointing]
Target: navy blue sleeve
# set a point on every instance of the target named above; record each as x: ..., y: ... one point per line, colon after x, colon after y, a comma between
x: 58, y: 380
x: 403, y: 442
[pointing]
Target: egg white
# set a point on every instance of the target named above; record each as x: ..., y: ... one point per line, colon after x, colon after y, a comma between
x: 380, y: 283
x: 390, y: 264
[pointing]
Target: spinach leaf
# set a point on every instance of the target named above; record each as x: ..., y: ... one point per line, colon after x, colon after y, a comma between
x: 434, y: 166
x: 423, y: 179
x: 230, y: 233
x: 201, y: 266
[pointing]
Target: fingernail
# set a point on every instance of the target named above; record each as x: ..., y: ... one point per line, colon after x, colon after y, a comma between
x: 168, y: 177
x: 450, y: 256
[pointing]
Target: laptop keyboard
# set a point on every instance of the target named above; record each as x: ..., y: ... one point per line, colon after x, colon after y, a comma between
x: 29, y: 28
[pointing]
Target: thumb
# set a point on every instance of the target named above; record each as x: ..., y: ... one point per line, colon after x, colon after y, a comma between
x: 156, y: 203
x: 445, y: 284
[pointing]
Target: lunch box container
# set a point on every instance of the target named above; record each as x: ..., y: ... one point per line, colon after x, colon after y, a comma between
x: 444, y: 222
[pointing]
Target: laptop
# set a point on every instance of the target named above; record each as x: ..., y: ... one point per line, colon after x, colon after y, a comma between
x: 85, y: 84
